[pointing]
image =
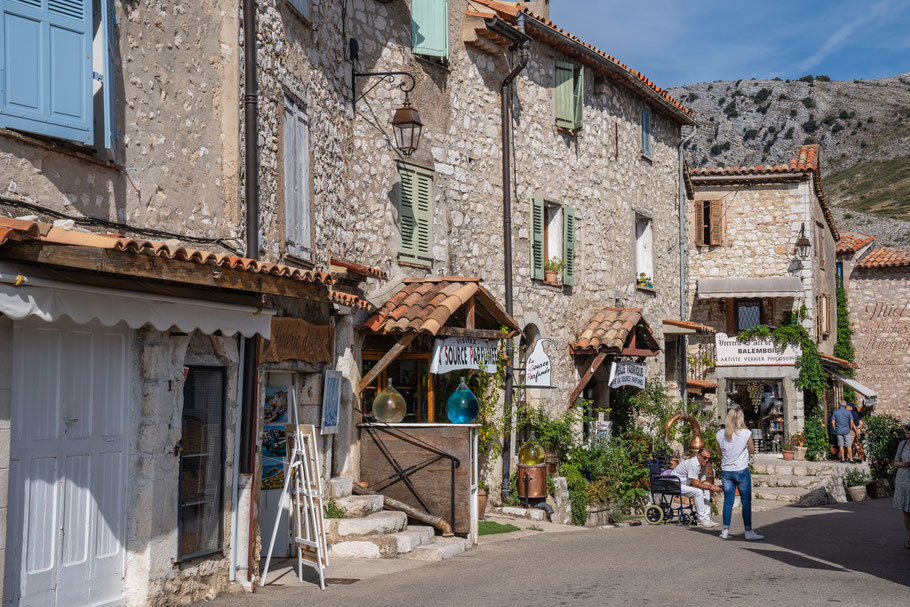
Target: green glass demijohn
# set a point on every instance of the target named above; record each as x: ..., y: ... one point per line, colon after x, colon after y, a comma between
x: 389, y: 405
x: 532, y: 452
x: 462, y: 407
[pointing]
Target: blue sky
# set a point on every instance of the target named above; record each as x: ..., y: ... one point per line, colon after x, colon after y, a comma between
x: 675, y: 43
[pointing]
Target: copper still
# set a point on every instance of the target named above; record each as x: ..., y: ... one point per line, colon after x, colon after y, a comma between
x: 696, y: 444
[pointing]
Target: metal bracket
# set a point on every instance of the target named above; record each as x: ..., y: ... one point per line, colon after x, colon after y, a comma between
x: 383, y: 77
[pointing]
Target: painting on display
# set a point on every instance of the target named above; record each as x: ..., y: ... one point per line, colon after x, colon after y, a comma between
x: 274, y: 455
x: 276, y: 405
x: 331, y: 399
x: 272, y: 476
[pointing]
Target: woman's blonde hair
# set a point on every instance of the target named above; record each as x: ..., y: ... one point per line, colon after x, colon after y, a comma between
x: 735, y: 422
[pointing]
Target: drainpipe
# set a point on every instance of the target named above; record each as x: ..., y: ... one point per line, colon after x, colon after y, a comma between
x: 682, y: 344
x: 505, y: 91
x: 251, y: 197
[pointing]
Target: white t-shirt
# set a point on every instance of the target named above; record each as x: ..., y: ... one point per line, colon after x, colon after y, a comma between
x: 736, y: 451
x: 689, y: 469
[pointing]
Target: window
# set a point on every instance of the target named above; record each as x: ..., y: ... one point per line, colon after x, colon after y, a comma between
x: 552, y: 235
x: 646, y: 131
x: 430, y: 28
x: 570, y: 89
x: 820, y: 241
x: 840, y: 274
x: 298, y: 230
x: 644, y: 260
x: 823, y: 317
x: 410, y: 374
x: 201, y: 488
x: 302, y: 7
x: 709, y: 221
x: 748, y: 314
x: 415, y: 214
x: 61, y: 63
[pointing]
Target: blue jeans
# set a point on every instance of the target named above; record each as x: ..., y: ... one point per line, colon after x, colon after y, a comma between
x: 742, y: 480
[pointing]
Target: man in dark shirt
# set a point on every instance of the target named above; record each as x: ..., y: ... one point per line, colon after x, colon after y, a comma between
x: 842, y: 421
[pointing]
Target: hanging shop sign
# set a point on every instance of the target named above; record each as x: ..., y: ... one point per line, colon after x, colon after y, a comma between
x: 296, y: 339
x: 331, y: 401
x: 627, y: 373
x: 538, y: 370
x: 454, y: 353
x: 734, y: 353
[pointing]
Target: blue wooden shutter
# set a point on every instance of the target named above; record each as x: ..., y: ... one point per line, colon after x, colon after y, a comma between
x: 46, y: 67
x: 430, y: 27
x: 303, y: 7
x: 568, y: 245
x: 108, y: 82
x: 578, y: 97
x: 297, y: 181
x: 537, y: 233
x: 565, y: 95
x: 645, y: 131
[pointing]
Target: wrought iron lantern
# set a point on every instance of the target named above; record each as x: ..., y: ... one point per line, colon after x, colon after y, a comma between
x: 408, y: 127
x: 802, y: 243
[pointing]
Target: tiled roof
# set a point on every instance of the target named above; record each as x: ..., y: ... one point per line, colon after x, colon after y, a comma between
x: 846, y: 364
x: 806, y: 160
x: 360, y: 268
x: 697, y: 386
x: 609, y: 330
x: 424, y: 305
x: 688, y: 324
x: 885, y: 257
x: 20, y: 230
x: 851, y: 243
x: 509, y: 11
x: 349, y: 299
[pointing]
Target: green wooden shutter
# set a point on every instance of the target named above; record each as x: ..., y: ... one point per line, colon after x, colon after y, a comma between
x: 415, y: 214
x: 430, y: 27
x: 537, y: 229
x: 565, y: 95
x: 579, y: 96
x: 406, y: 220
x: 568, y: 245
x: 423, y: 213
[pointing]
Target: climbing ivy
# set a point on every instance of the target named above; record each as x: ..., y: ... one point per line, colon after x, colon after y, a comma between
x: 811, y: 374
x: 843, y: 347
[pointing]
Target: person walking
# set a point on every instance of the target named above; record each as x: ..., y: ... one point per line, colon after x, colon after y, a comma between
x: 842, y: 422
x: 735, y: 444
x: 902, y: 480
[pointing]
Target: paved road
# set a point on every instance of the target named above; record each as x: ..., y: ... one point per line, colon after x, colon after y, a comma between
x: 849, y: 554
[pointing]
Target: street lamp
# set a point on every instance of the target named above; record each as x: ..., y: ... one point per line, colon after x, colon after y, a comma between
x: 802, y: 243
x: 406, y: 121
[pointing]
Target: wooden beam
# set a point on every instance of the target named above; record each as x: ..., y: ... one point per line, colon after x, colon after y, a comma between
x: 385, y: 361
x: 639, y: 352
x: 469, y: 311
x: 476, y: 333
x: 595, y: 364
x: 150, y: 267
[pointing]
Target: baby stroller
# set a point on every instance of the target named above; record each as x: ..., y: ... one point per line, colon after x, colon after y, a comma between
x: 667, y: 499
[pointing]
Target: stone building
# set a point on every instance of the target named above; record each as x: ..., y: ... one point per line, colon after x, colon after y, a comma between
x: 877, y: 283
x: 762, y: 247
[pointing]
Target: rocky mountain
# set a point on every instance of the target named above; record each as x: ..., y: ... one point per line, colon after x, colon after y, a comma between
x: 863, y: 127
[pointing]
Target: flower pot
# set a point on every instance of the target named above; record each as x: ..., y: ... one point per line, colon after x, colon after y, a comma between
x: 857, y: 494
x: 801, y: 454
x: 788, y: 455
x: 549, y: 276
x: 481, y: 503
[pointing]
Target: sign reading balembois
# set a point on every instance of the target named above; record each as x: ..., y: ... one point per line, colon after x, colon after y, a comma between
x: 734, y: 353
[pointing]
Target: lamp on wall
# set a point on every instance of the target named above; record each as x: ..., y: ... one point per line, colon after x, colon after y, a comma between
x: 802, y: 243
x: 406, y: 121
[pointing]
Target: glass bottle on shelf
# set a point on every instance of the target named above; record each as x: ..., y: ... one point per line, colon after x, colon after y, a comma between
x: 462, y: 407
x: 532, y: 452
x: 389, y: 405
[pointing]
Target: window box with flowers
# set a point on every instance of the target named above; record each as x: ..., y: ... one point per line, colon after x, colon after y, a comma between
x: 644, y: 281
x: 552, y: 268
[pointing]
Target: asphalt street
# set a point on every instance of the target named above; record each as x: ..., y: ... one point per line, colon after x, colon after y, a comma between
x: 846, y: 554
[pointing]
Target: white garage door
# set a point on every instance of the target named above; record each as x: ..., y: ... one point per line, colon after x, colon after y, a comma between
x: 67, y: 492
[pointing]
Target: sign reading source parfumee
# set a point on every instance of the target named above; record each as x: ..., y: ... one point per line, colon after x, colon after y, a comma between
x: 734, y: 353
x: 455, y: 353
x: 627, y: 373
x: 539, y: 370
x: 296, y: 339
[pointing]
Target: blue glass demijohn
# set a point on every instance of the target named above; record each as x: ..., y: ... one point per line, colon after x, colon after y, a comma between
x: 462, y: 407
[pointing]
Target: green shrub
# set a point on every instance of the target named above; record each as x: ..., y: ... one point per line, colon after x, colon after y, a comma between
x: 807, y: 78
x: 789, y: 133
x: 810, y: 126
x: 808, y: 102
x: 823, y: 78
x: 333, y: 510
x: 762, y: 95
x: 816, y: 436
x: 856, y: 477
x: 750, y: 134
x: 881, y: 436
x: 730, y: 110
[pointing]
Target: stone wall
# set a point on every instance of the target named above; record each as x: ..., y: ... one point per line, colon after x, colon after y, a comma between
x: 177, y: 89
x: 879, y: 304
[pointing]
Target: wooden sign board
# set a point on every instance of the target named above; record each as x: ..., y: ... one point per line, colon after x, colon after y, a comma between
x: 296, y: 339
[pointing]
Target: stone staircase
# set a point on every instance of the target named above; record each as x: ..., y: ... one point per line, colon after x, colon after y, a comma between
x: 369, y: 532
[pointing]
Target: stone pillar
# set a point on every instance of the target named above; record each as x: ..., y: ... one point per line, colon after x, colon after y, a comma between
x: 793, y: 408
x: 346, y: 362
x: 721, y: 405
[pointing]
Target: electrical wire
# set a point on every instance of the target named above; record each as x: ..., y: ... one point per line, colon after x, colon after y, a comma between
x: 89, y: 221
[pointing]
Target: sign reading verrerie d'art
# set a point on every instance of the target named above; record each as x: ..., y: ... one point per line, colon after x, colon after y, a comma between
x: 296, y: 339
x: 734, y: 353
x: 627, y: 373
x: 538, y: 370
x: 455, y: 353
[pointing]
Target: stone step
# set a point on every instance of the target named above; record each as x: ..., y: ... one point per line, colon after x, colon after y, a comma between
x: 341, y: 529
x: 785, y: 480
x: 355, y: 549
x: 758, y: 505
x: 793, y: 468
x: 339, y: 487
x: 795, y: 495
x: 382, y: 545
x: 412, y: 537
x: 360, y: 505
x: 440, y: 549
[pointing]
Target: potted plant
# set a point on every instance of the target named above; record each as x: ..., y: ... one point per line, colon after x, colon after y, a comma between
x: 856, y: 480
x: 644, y: 281
x: 551, y: 269
x: 788, y: 451
x: 481, y: 498
x: 799, y: 441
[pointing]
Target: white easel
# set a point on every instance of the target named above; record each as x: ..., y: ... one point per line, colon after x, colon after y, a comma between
x: 303, y: 485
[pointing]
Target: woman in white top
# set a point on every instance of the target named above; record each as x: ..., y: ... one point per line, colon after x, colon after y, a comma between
x: 735, y: 444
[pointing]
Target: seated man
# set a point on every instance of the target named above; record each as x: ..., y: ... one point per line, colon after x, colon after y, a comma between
x: 691, y: 473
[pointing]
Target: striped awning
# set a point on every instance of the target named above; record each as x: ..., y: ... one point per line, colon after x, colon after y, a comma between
x: 770, y: 286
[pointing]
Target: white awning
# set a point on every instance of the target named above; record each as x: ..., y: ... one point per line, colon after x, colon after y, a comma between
x: 22, y: 295
x: 869, y: 395
x: 771, y: 286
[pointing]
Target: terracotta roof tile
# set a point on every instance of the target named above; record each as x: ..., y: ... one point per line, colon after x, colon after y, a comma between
x: 846, y: 364
x: 609, y: 330
x: 361, y: 269
x: 851, y: 243
x: 425, y: 305
x: 350, y: 300
x: 885, y: 257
